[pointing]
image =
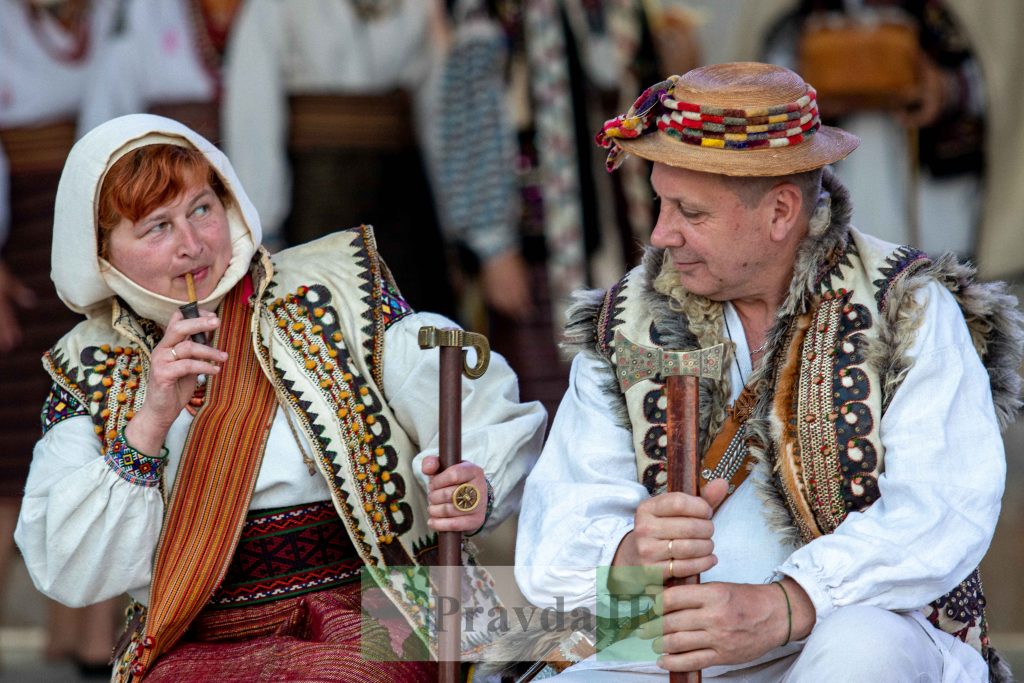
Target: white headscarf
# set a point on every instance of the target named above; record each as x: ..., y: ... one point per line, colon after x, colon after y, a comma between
x: 84, y: 281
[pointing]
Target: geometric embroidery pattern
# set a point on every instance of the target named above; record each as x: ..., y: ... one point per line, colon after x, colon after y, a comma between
x: 961, y: 612
x: 832, y: 414
x: 285, y: 552
x: 59, y: 406
x: 130, y: 465
x: 308, y: 324
x: 392, y: 306
x: 655, y: 476
x: 902, y: 262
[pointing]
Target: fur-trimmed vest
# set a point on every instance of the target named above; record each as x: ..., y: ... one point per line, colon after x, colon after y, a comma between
x: 319, y: 315
x: 835, y: 355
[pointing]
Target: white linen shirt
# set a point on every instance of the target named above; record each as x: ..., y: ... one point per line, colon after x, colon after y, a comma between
x: 940, y: 490
x: 87, y: 534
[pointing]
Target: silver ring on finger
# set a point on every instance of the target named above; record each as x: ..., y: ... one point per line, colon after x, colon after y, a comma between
x: 174, y: 353
x: 670, y: 548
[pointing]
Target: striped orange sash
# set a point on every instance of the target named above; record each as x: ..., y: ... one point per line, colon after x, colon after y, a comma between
x: 213, y: 486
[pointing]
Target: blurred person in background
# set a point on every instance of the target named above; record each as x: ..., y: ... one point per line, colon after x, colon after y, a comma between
x: 46, y: 47
x: 547, y: 68
x: 165, y: 58
x: 316, y: 427
x: 325, y: 114
x: 902, y: 76
x: 13, y: 296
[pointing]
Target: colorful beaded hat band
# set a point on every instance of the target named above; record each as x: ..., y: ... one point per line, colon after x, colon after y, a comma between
x: 665, y: 115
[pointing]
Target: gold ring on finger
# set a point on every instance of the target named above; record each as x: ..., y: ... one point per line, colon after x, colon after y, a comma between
x: 466, y: 497
x: 671, y: 571
x: 174, y: 353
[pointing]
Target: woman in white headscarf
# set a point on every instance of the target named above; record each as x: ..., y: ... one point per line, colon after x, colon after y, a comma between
x: 236, y: 489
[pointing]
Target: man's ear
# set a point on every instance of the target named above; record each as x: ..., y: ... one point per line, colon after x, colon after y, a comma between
x: 786, y: 207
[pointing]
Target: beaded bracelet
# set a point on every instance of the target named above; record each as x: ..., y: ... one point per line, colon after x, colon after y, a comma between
x: 132, y: 465
x: 789, y: 612
x: 490, y: 508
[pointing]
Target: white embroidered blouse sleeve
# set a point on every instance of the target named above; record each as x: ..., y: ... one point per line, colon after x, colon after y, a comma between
x: 499, y: 433
x: 86, y: 534
x: 580, y: 498
x: 940, y: 491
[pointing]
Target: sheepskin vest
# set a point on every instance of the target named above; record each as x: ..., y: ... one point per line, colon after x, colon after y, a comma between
x: 835, y: 355
x: 319, y: 315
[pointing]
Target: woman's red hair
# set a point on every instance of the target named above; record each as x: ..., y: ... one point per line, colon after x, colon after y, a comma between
x: 147, y: 178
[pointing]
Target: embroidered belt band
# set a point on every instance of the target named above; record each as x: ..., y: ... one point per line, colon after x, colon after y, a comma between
x: 286, y: 552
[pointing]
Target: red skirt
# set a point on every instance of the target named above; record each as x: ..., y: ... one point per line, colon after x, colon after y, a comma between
x: 319, y: 636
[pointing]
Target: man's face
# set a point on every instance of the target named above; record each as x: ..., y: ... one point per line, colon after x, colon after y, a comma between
x: 719, y: 246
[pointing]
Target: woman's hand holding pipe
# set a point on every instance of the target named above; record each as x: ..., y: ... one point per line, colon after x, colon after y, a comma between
x: 175, y: 364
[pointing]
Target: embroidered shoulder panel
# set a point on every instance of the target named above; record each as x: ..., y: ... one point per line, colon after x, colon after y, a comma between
x: 308, y: 324
x: 835, y: 261
x: 393, y: 307
x: 610, y: 317
x: 106, y: 380
x: 902, y: 263
x: 59, y: 406
x: 370, y: 266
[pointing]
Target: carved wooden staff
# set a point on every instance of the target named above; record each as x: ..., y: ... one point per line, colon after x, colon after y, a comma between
x: 452, y: 343
x: 681, y: 371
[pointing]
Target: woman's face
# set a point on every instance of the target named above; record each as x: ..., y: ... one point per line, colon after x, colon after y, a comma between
x: 187, y: 235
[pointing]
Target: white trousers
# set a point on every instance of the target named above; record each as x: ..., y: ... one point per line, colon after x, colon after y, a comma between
x: 853, y: 645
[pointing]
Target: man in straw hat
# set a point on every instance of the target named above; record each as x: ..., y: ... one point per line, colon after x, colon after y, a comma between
x: 852, y: 463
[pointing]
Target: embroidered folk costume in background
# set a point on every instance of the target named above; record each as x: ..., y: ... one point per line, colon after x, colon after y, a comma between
x: 42, y: 65
x: 164, y: 58
x: 324, y: 114
x: 929, y: 192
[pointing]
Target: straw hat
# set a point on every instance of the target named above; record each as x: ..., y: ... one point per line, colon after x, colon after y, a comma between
x: 738, y: 119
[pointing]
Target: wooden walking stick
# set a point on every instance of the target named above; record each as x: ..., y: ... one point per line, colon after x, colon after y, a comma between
x: 681, y: 371
x: 452, y: 343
